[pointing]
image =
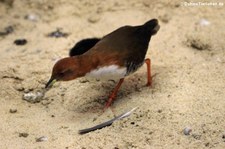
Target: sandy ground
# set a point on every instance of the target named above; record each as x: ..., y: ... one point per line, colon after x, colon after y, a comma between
x: 188, y: 58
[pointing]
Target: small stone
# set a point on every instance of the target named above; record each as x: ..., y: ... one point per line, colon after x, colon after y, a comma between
x: 223, y: 136
x: 93, y: 18
x: 198, y: 43
x: 8, y: 2
x: 29, y: 97
x: 32, y: 17
x: 187, y: 130
x: 159, y: 111
x: 204, y: 22
x: 177, y: 5
x: 207, y: 144
x: 13, y: 110
x: 165, y: 18
x: 20, y: 42
x: 7, y: 30
x: 57, y: 34
x: 33, y: 97
x: 23, y: 134
x: 42, y: 139
x: 83, y: 81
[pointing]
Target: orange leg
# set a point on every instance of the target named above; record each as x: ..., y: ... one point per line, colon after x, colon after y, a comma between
x: 114, y: 93
x: 148, y: 63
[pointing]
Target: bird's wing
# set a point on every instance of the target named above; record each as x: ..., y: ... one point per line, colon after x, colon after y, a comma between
x: 83, y: 46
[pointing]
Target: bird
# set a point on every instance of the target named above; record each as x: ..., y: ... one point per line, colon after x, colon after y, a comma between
x: 114, y: 56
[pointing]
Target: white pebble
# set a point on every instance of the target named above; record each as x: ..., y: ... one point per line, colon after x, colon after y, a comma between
x: 33, y: 97
x: 32, y: 17
x: 187, y: 130
x: 204, y: 22
x: 42, y: 139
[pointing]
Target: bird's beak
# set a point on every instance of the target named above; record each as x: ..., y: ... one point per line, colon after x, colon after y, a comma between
x: 50, y: 82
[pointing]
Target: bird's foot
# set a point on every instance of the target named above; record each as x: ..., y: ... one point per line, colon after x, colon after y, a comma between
x: 109, y: 102
x: 149, y: 84
x: 107, y: 105
x: 113, y: 94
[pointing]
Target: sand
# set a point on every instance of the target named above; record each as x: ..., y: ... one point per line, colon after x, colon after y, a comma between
x: 188, y: 58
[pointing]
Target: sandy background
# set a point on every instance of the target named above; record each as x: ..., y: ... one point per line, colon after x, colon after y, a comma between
x: 188, y: 56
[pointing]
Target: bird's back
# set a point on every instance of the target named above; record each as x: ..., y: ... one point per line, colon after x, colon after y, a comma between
x: 125, y: 46
x: 127, y: 38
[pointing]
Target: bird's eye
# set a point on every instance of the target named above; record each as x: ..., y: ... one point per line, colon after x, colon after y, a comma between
x: 61, y: 73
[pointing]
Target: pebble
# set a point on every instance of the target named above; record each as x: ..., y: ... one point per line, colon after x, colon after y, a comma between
x: 8, y: 2
x: 187, y: 130
x: 132, y: 123
x: 94, y: 19
x: 199, y: 44
x: 57, y: 34
x: 32, y: 17
x: 13, y: 110
x: 165, y: 18
x: 204, y: 22
x: 159, y: 111
x: 223, y: 136
x: 23, y: 134
x: 20, y: 42
x: 7, y: 30
x: 33, y: 97
x: 83, y: 80
x: 42, y: 139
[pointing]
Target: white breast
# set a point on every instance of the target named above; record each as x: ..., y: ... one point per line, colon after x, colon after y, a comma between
x: 108, y: 72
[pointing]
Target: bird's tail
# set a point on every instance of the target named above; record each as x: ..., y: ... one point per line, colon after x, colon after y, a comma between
x: 153, y: 26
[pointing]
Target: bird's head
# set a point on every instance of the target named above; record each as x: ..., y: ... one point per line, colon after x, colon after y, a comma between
x: 64, y: 70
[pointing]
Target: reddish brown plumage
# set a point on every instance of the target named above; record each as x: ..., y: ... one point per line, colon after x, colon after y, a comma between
x: 125, y: 47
